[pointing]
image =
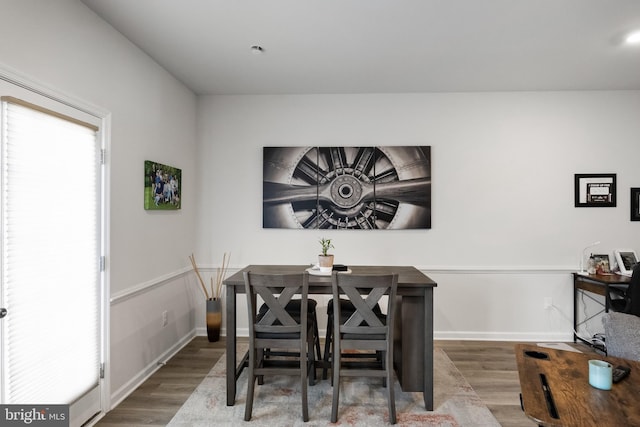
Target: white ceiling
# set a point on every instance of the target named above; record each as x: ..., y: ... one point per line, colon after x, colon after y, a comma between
x: 384, y: 46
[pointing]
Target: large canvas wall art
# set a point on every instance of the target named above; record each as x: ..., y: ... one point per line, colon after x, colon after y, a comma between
x: 359, y: 188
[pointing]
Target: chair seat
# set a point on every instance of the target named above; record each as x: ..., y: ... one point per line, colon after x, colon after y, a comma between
x: 618, y: 304
x: 346, y: 310
x: 284, y: 336
x: 293, y: 306
x: 380, y: 337
x: 347, y: 306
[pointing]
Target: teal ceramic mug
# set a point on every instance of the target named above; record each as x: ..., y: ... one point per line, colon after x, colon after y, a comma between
x: 600, y: 374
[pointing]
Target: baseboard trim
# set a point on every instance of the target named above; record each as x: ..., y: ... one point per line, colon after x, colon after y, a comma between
x: 451, y: 336
x: 130, y: 386
x: 504, y: 336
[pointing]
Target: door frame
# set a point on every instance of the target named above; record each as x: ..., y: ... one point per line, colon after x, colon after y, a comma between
x: 28, y: 83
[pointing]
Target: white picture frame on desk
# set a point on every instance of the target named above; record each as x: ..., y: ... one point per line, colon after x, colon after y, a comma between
x: 626, y: 259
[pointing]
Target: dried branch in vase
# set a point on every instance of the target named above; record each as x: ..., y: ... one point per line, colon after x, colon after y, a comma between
x: 220, y: 275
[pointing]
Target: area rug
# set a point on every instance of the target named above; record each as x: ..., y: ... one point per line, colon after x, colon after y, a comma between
x: 363, y: 402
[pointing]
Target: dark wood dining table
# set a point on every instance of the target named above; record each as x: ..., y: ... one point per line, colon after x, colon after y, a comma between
x: 413, y: 342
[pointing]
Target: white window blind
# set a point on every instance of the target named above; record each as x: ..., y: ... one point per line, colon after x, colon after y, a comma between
x: 50, y: 256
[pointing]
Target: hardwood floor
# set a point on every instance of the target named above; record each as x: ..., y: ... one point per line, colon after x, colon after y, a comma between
x: 156, y: 401
x: 489, y: 367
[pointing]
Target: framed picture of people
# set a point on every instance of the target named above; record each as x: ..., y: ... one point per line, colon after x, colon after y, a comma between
x: 162, y: 186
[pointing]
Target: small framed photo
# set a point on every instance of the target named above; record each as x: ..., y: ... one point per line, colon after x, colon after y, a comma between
x: 601, y: 264
x: 595, y: 190
x: 162, y: 186
x: 635, y: 204
x: 626, y: 259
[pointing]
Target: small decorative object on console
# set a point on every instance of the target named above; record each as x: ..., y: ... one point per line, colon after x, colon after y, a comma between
x: 626, y: 259
x: 601, y: 263
x: 591, y: 265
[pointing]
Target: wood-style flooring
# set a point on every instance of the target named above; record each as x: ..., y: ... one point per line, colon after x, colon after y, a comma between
x: 489, y: 367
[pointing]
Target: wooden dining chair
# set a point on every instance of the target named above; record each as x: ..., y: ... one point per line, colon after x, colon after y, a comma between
x: 279, y: 329
x: 293, y: 308
x: 346, y: 310
x: 363, y: 330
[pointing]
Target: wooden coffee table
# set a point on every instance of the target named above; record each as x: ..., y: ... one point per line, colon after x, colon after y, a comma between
x: 570, y: 400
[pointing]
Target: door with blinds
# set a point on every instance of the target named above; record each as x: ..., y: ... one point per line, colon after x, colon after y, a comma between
x: 51, y: 275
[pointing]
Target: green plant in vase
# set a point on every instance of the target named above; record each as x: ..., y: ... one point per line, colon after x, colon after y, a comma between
x: 325, y: 259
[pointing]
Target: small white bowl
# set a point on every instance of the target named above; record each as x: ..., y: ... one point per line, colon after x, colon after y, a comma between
x: 326, y: 269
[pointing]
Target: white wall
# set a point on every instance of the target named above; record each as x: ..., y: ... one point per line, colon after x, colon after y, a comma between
x: 505, y: 233
x: 65, y: 46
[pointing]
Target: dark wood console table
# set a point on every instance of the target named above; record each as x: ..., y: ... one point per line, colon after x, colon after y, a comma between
x: 595, y: 284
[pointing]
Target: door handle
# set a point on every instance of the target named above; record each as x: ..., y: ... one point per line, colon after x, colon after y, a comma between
x: 3, y: 312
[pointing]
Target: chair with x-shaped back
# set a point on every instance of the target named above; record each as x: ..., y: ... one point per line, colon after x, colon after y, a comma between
x: 346, y: 310
x: 366, y: 329
x: 277, y: 328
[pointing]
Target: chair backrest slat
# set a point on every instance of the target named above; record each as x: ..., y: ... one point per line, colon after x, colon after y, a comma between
x: 276, y: 290
x: 276, y: 305
x: 364, y: 292
x: 364, y: 307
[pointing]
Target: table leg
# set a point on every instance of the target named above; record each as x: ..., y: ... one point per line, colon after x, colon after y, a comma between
x: 413, y: 345
x: 428, y: 349
x: 575, y: 309
x: 231, y: 345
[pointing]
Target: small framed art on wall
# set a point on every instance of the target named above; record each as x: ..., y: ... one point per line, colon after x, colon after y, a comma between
x: 595, y: 190
x: 635, y: 204
x: 162, y: 186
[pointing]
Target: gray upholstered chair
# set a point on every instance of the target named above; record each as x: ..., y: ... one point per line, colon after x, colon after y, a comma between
x: 627, y: 301
x: 363, y: 330
x: 279, y: 329
x: 622, y: 335
x: 622, y: 322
